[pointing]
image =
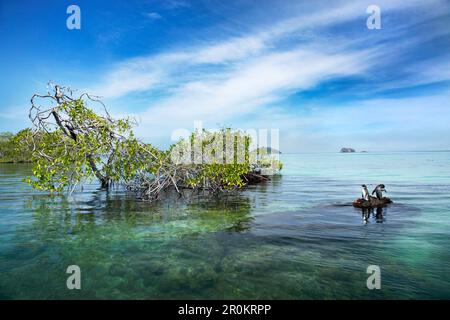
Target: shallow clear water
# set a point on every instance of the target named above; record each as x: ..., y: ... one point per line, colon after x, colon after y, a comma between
x: 296, y: 237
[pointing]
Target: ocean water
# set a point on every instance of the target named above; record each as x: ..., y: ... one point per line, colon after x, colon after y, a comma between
x: 295, y: 237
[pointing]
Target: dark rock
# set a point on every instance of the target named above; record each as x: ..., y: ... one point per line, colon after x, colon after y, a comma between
x: 373, y: 203
x: 347, y: 150
x: 254, y: 178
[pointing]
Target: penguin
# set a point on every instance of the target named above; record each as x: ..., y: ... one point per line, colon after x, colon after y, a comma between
x: 379, y: 189
x: 365, y: 192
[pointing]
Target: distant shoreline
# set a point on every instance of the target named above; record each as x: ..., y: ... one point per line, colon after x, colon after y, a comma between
x: 296, y: 153
x: 367, y: 152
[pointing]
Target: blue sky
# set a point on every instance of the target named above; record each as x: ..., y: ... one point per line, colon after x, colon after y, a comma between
x: 311, y: 69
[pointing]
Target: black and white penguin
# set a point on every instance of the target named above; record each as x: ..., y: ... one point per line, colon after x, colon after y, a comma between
x: 365, y: 192
x: 379, y: 189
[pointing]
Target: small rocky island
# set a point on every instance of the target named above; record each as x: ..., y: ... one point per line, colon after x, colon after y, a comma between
x: 347, y: 150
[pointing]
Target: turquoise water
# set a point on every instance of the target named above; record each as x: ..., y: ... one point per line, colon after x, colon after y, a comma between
x: 295, y: 237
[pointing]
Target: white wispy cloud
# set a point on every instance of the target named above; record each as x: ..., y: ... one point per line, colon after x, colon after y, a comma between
x: 143, y: 73
x: 175, y: 4
x: 153, y: 15
x: 249, y: 87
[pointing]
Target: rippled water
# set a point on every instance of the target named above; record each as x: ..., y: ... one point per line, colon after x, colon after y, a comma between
x: 296, y: 237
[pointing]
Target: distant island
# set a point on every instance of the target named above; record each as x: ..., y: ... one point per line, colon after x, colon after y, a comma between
x: 347, y: 150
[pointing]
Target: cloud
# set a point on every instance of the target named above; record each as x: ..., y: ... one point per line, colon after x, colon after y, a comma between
x: 126, y: 79
x: 153, y: 69
x: 175, y: 4
x: 153, y: 15
x: 248, y: 88
x: 233, y: 49
x: 15, y: 113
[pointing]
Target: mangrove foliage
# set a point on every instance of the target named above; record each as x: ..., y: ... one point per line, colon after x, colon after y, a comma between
x: 70, y: 143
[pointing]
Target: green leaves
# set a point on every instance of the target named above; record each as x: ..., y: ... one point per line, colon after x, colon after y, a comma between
x: 71, y: 143
x: 12, y: 149
x: 84, y: 145
x: 218, y: 159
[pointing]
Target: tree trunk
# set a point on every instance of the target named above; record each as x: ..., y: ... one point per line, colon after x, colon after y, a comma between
x: 105, y: 181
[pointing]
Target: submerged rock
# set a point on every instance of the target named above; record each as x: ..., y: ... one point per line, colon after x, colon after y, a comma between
x: 255, y: 178
x: 373, y: 203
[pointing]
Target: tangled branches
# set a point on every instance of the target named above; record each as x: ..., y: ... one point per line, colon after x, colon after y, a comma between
x: 69, y: 142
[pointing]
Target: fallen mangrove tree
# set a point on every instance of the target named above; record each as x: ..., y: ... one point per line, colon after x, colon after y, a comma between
x: 70, y: 143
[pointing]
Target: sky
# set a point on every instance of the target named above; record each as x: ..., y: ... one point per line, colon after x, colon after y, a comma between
x: 311, y: 69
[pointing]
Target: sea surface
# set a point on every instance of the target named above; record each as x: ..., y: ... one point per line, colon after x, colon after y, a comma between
x: 295, y: 237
